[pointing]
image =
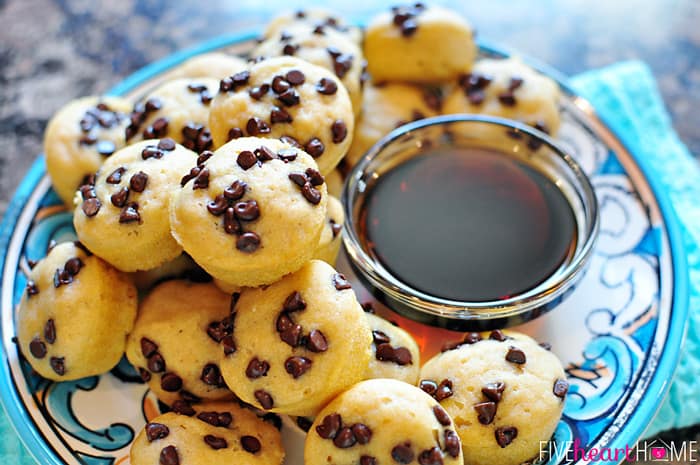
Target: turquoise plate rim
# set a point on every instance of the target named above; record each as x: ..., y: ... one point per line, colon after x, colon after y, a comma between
x: 638, y: 421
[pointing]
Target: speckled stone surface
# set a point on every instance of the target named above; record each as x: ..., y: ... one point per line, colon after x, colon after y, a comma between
x: 54, y: 51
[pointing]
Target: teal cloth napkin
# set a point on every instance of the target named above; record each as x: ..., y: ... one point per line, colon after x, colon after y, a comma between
x: 626, y: 96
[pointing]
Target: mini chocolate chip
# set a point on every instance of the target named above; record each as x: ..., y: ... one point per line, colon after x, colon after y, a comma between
x: 486, y: 411
x: 215, y: 442
x: 409, y: 27
x: 476, y: 97
x: 494, y: 391
x: 279, y: 115
x: 298, y: 178
x: 247, y: 210
x: 287, y: 155
x: 342, y: 64
x: 362, y: 433
x: 561, y: 387
x: 335, y: 228
x: 130, y: 213
x: 340, y: 282
x: 155, y: 431
x: 546, y: 345
x: 204, y: 156
x: 37, y: 348
x: 403, y: 453
x: 446, y: 347
x: 292, y: 334
x: 250, y: 444
x: 314, y: 177
x: 145, y: 374
x: 316, y: 341
x: 384, y: 352
x: 248, y: 242
x: 264, y: 154
x: 515, y: 82
x: 264, y: 398
x: 235, y: 191
x: 211, y: 375
x: 330, y: 425
x: 169, y: 456
x: 295, y: 77
x: 241, y: 78
x: 428, y: 386
x: 402, y: 356
x: 339, y: 131
x: 217, y: 206
x: 182, y: 407
x: 73, y: 266
x: 304, y: 423
x: 326, y: 86
x: 167, y: 144
x: 279, y: 84
x: 138, y: 181
x: 497, y: 335
x: 225, y: 419
x: 153, y: 104
x: 116, y: 176
x: 379, y: 337
x: 259, y: 92
x: 190, y: 176
x: 246, y: 159
x: 294, y: 302
x: 367, y: 307
x: 505, y: 435
x: 444, y: 390
x: 284, y: 322
x: 311, y: 194
x: 368, y: 460
x: 196, y: 87
x: 430, y: 457
x: 257, y: 368
x: 87, y: 192
x: 91, y: 206
x: 151, y: 151
x: 228, y: 344
x: 170, y: 382
x: 202, y: 179
x: 441, y: 415
x: 156, y: 363
x: 290, y: 49
x: 256, y: 126
x: 507, y: 98
x: 62, y: 277
x: 297, y: 366
x: 58, y: 364
x: 289, y: 97
x: 105, y: 147
x: 234, y: 133
x: 452, y: 445
x: 205, y: 97
x: 50, y: 331
x: 516, y: 356
x: 120, y: 197
x: 344, y: 438
x: 148, y: 347
x: 32, y: 289
x: 471, y: 338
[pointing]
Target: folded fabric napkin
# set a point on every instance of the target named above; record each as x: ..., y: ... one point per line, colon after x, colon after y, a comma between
x: 626, y: 97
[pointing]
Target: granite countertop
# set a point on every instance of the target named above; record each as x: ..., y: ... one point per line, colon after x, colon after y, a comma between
x: 54, y: 51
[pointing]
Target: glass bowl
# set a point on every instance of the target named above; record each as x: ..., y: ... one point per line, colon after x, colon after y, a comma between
x: 522, y: 142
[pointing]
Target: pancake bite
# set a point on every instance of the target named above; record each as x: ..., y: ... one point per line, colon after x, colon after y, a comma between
x: 75, y: 314
x: 419, y: 43
x: 510, y: 89
x: 178, y: 109
x: 297, y: 343
x: 503, y: 390
x: 175, y: 342
x: 382, y: 421
x: 386, y: 107
x: 395, y: 353
x: 252, y: 212
x: 122, y: 212
x: 329, y: 245
x: 322, y: 46
x: 313, y: 18
x: 212, y: 65
x: 80, y: 137
x: 209, y: 433
x: 287, y: 98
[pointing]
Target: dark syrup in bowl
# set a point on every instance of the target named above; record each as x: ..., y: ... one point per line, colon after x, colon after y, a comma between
x: 468, y: 224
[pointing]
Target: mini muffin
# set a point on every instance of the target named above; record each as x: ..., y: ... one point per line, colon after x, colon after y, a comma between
x: 297, y: 343
x: 178, y: 109
x: 80, y: 137
x: 510, y: 89
x: 504, y: 391
x: 180, y: 267
x: 287, y: 98
x: 329, y: 245
x: 251, y: 213
x: 387, y: 107
x: 172, y: 313
x: 122, y: 212
x: 322, y: 46
x: 208, y: 433
x: 382, y: 421
x: 419, y: 43
x: 395, y: 353
x: 314, y: 18
x: 75, y: 314
x: 212, y: 65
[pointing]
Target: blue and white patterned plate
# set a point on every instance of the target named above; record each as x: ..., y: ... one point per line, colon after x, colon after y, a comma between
x: 618, y: 333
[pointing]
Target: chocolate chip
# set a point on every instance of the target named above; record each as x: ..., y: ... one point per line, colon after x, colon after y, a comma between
x: 452, y: 445
x: 515, y: 82
x: 311, y: 194
x: 167, y: 144
x: 344, y: 438
x: 170, y: 382
x: 120, y: 197
x: 105, y: 148
x: 561, y: 387
x: 231, y: 224
x: 379, y: 337
x: 62, y: 277
x: 259, y: 92
x: 290, y: 49
x: 546, y: 345
x: 402, y: 356
x: 234, y: 133
x: 155, y: 431
x: 279, y: 115
x: 58, y: 364
x: 428, y: 386
x: 367, y: 307
x: 298, y: 178
x: 247, y: 210
x: 250, y: 444
x: 156, y: 363
x: 145, y: 375
x: 486, y: 411
x: 50, y: 332
x: 294, y: 302
x: 91, y: 206
x: 295, y: 77
x: 516, y: 356
x: 246, y: 159
x: 229, y: 345
x: 248, y: 242
x: 497, y: 335
x: 304, y: 423
x: 289, y: 97
x: 196, y: 87
x: 236, y: 190
x: 116, y: 176
x: 279, y: 85
x: 329, y: 427
x: 264, y: 154
x: 287, y: 155
x: 211, y: 375
x: 284, y: 322
x: 215, y: 442
x: 256, y: 126
x: 403, y: 453
x: 130, y: 213
x: 153, y: 104
x: 73, y: 266
x: 151, y: 151
x: 316, y: 341
x: 340, y: 282
x: 264, y: 398
x: 471, y: 338
x: 409, y: 27
x: 190, y: 176
x: 182, y: 407
x: 148, y: 347
x: 169, y: 456
x: 217, y: 206
x: 476, y: 97
x: 257, y: 368
x: 494, y: 391
x: 202, y: 179
x: 339, y: 131
x: 430, y: 457
x: 432, y: 96
x: 241, y: 78
x: 507, y: 98
x: 326, y: 86
x: 32, y: 289
x: 297, y: 366
x: 444, y: 390
x: 342, y: 64
x: 362, y: 433
x: 441, y: 415
x: 368, y: 460
x: 223, y: 419
x: 291, y: 335
x: 385, y: 352
x: 505, y: 435
x: 37, y: 348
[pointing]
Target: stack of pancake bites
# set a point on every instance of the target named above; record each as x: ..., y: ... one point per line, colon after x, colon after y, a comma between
x: 209, y: 223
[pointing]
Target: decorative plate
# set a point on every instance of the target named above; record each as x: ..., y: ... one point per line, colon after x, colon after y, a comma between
x: 618, y: 333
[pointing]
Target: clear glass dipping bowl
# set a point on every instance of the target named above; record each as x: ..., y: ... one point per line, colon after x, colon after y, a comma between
x: 470, y: 131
